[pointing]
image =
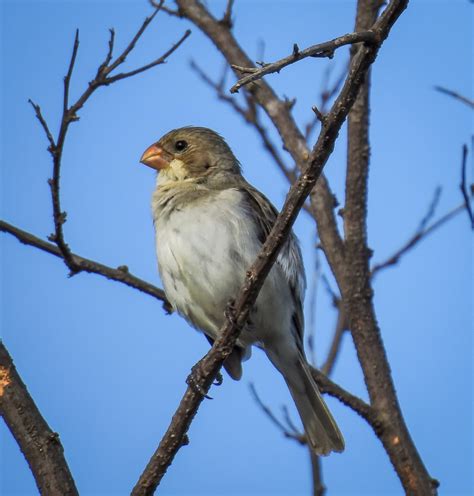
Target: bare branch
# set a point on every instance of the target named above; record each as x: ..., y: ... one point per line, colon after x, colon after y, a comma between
x: 421, y: 233
x: 165, y: 8
x: 327, y: 93
x: 463, y: 186
x: 69, y: 115
x: 356, y: 404
x: 325, y: 49
x: 250, y: 115
x: 67, y: 79
x: 110, y: 51
x: 205, y: 371
x: 416, y: 238
x: 355, y: 282
x: 341, y: 327
x: 158, y: 61
x: 319, y: 489
x: 40, y: 445
x: 120, y: 274
x: 44, y: 124
x: 122, y: 57
x: 289, y: 433
x: 227, y: 19
x: 456, y: 95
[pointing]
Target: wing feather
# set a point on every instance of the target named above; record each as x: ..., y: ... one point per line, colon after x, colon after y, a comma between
x: 289, y: 259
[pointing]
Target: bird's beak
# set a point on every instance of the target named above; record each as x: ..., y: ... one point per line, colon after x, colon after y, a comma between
x: 153, y: 157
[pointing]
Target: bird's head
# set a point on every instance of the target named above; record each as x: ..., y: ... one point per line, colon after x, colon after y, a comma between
x: 191, y: 153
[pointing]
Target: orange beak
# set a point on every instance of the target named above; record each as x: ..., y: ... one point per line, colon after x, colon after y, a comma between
x: 153, y: 157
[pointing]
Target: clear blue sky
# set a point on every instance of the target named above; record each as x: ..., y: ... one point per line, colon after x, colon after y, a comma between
x: 107, y: 367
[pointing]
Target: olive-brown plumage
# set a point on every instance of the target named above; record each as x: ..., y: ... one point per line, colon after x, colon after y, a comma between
x: 210, y: 224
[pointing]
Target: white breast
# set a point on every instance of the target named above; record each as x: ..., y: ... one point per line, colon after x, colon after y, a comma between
x: 204, y: 250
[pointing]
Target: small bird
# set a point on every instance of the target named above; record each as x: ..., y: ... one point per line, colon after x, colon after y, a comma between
x: 210, y: 225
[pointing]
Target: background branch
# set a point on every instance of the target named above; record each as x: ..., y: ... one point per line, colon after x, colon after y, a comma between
x: 455, y: 95
x: 325, y: 49
x: 416, y: 238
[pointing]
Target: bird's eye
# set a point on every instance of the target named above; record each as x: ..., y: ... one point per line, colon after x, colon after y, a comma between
x: 180, y: 145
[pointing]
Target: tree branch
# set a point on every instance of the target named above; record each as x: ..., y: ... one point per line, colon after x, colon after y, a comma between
x: 69, y: 115
x: 341, y: 328
x: 415, y: 239
x: 456, y: 95
x: 322, y: 199
x: 355, y: 283
x: 205, y: 371
x: 463, y: 186
x: 39, y: 444
x: 325, y: 49
x: 120, y: 274
x: 250, y: 115
x: 287, y: 431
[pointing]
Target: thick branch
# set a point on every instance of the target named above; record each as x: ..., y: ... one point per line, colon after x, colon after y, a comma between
x: 279, y: 112
x: 325, y: 49
x: 120, y: 274
x: 39, y: 444
x: 205, y: 371
x: 356, y: 290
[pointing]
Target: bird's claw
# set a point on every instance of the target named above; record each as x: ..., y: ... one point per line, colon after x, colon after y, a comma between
x: 219, y: 379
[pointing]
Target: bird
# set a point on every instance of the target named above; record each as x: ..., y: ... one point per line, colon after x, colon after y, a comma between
x: 210, y: 225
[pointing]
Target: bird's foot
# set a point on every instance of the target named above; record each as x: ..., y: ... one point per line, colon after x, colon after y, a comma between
x: 229, y: 312
x: 219, y: 379
x: 192, y: 382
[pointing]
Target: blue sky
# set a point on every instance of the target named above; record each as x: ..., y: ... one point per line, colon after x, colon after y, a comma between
x: 107, y: 367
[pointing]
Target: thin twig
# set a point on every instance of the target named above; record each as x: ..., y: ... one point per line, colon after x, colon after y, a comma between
x: 289, y: 433
x: 313, y: 297
x: 341, y: 327
x: 325, y: 49
x: 69, y: 115
x: 158, y: 61
x: 463, y: 185
x: 456, y: 95
x: 67, y: 79
x: 40, y: 445
x: 250, y: 115
x: 227, y: 18
x: 416, y: 238
x: 327, y: 93
x: 120, y: 274
x: 122, y: 57
x: 165, y: 8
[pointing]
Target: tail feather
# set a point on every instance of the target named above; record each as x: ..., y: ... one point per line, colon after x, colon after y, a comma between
x: 321, y: 429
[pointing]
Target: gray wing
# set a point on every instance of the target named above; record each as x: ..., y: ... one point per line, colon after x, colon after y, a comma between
x: 289, y: 258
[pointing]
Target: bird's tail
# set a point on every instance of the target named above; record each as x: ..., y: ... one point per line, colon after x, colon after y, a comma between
x: 322, y: 432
